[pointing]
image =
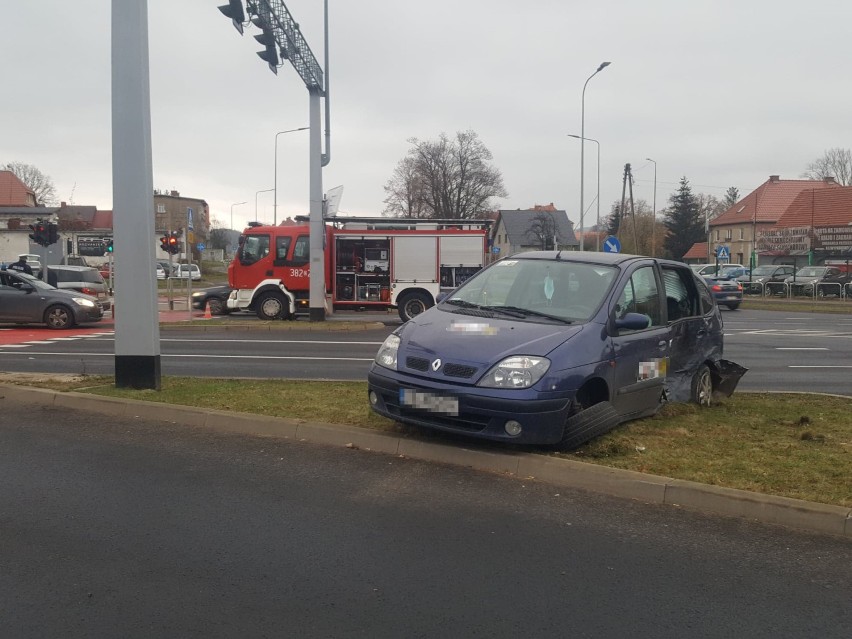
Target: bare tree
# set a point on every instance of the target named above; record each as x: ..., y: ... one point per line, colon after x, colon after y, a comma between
x: 710, y: 207
x: 445, y: 178
x: 836, y: 163
x: 405, y: 191
x: 542, y: 231
x: 38, y: 182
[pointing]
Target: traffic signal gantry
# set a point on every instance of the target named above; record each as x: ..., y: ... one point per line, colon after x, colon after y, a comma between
x: 170, y: 243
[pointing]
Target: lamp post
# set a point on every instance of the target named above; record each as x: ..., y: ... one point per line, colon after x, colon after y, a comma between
x: 275, y: 204
x: 232, y: 212
x: 598, y: 196
x: 603, y: 65
x: 654, y: 213
x: 255, y: 200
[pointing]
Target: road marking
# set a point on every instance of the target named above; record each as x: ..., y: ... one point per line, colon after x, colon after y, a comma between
x: 14, y: 345
x: 253, y: 357
x: 803, y: 348
x: 268, y: 341
x: 818, y: 366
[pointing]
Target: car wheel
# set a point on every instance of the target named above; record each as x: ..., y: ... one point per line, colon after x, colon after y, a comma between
x: 217, y: 306
x: 412, y: 305
x: 702, y: 386
x: 59, y: 317
x: 820, y: 292
x: 272, y: 306
x: 733, y: 307
x: 586, y: 424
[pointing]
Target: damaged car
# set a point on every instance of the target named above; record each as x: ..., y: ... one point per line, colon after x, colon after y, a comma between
x: 555, y: 348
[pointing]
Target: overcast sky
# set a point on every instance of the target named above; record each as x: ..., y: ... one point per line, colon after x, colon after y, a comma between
x: 724, y: 92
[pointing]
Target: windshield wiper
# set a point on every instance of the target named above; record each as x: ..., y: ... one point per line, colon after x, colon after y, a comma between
x: 517, y: 311
x: 462, y: 303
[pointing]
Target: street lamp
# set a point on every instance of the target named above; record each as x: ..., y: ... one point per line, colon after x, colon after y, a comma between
x: 654, y: 213
x: 602, y: 66
x: 598, y: 197
x: 232, y: 212
x: 255, y: 201
x: 275, y: 205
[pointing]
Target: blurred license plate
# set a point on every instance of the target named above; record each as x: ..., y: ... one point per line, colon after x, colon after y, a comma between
x: 429, y: 402
x: 731, y: 297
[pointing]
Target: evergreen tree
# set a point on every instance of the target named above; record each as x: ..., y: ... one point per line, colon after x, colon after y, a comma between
x: 732, y: 196
x: 683, y: 221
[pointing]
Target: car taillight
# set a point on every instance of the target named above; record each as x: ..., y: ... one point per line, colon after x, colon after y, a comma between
x: 87, y: 291
x: 739, y: 286
x: 716, y: 287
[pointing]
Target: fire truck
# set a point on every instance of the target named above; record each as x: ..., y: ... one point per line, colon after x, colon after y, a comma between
x: 370, y: 264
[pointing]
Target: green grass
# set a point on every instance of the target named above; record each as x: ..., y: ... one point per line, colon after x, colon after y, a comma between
x: 800, y: 305
x: 790, y: 445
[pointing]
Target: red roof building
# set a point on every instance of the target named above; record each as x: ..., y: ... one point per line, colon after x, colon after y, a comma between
x: 13, y: 192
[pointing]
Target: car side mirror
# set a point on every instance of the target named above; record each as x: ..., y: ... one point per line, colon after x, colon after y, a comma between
x: 633, y: 322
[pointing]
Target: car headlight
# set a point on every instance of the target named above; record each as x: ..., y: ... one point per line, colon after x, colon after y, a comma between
x: 520, y: 371
x: 195, y: 296
x: 82, y: 301
x: 387, y: 352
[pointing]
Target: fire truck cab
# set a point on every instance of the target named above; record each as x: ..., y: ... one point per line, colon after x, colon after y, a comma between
x: 370, y: 264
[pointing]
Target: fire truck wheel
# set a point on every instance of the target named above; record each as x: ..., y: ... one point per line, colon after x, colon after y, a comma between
x: 412, y: 305
x: 271, y: 306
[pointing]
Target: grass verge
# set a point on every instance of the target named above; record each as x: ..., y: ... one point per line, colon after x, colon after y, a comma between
x: 790, y: 445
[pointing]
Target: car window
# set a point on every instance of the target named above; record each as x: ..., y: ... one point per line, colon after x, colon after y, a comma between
x: 681, y: 293
x: 641, y: 295
x: 705, y: 295
x: 253, y: 248
x: 302, y: 249
x: 282, y: 246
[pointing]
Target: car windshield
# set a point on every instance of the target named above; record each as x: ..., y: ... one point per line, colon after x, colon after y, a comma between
x: 811, y: 271
x: 535, y: 289
x: 29, y: 279
x: 764, y: 270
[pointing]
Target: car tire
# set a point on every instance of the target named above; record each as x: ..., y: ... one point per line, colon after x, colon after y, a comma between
x: 732, y: 307
x: 59, y: 317
x: 587, y: 424
x: 272, y: 306
x: 217, y: 306
x: 413, y: 304
x: 701, y: 391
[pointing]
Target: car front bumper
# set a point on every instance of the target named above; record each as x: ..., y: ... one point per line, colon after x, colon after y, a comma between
x: 481, y: 413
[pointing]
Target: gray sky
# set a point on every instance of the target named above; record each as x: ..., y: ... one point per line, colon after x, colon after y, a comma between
x: 725, y: 92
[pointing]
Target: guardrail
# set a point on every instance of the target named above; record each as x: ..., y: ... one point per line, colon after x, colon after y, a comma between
x: 820, y: 289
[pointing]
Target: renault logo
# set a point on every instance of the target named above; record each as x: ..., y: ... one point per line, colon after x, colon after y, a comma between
x: 436, y: 364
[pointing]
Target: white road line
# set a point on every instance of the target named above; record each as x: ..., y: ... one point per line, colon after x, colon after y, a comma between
x: 267, y: 341
x: 14, y: 345
x: 819, y: 366
x: 796, y: 348
x: 252, y: 357
x: 63, y: 339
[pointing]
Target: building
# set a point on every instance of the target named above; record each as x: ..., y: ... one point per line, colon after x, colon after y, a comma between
x: 758, y: 212
x: 539, y: 228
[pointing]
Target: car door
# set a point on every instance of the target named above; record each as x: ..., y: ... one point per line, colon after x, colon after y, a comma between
x: 640, y: 356
x: 695, y: 332
x: 19, y: 301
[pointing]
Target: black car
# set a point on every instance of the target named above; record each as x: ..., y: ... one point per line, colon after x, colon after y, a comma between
x: 215, y: 296
x: 822, y: 280
x: 27, y: 300
x: 726, y: 292
x: 763, y: 278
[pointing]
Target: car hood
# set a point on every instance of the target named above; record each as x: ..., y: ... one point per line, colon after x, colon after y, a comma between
x: 475, y: 342
x: 802, y: 280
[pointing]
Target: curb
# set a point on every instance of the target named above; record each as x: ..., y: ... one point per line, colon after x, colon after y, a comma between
x: 199, y: 325
x: 784, y: 511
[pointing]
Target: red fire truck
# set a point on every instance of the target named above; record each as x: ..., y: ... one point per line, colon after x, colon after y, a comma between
x: 371, y: 264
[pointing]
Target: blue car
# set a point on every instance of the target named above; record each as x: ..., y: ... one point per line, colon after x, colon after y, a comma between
x: 555, y: 348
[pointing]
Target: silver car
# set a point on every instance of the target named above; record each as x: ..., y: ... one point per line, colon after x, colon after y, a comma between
x: 27, y: 300
x: 85, y: 279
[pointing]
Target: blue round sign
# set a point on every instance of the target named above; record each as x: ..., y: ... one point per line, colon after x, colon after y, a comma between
x: 611, y: 245
x: 200, y: 246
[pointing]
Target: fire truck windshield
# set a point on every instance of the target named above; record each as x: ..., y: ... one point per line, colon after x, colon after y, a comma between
x: 253, y: 248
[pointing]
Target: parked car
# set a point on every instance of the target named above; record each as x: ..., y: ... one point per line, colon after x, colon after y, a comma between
x: 27, y: 300
x: 827, y: 280
x: 84, y: 279
x: 730, y: 272
x: 725, y: 292
x: 160, y: 272
x: 166, y: 266
x: 216, y: 297
x: 555, y: 348
x: 712, y: 269
x: 762, y: 276
x: 187, y: 270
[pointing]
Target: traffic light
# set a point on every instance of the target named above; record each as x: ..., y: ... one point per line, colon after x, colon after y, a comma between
x: 39, y: 233
x: 270, y: 53
x: 164, y: 243
x: 108, y: 244
x: 52, y: 233
x: 175, y: 244
x: 234, y: 11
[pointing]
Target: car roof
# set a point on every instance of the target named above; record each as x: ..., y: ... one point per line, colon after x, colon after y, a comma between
x: 589, y: 257
x: 70, y: 267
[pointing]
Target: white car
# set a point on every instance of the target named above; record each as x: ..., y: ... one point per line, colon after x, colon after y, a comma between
x: 187, y: 270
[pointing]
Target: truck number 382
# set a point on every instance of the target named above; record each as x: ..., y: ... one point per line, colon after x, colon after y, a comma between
x: 300, y: 272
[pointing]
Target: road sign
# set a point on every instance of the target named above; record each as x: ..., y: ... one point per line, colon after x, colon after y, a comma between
x: 200, y: 246
x: 723, y: 252
x: 495, y: 250
x: 189, y: 219
x: 611, y: 245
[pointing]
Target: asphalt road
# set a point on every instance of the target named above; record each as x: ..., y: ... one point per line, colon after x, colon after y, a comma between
x: 126, y: 527
x: 783, y: 350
